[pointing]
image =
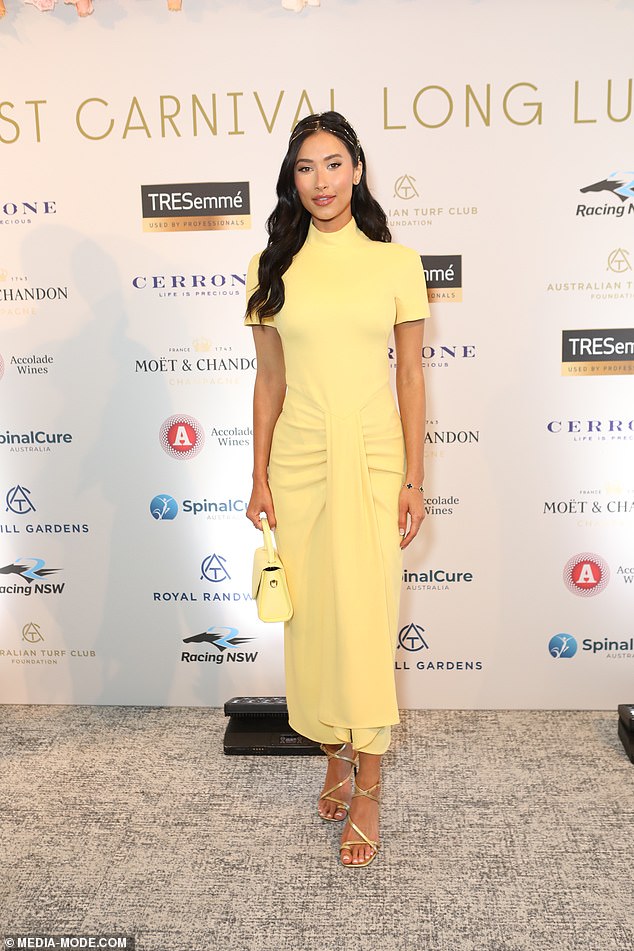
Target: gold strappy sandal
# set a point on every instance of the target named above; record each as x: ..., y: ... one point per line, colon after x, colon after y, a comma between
x: 350, y: 777
x: 374, y: 844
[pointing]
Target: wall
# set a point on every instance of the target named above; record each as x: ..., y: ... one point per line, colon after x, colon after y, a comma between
x: 484, y: 123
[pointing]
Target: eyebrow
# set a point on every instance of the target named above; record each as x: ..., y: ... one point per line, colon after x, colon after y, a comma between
x: 326, y: 158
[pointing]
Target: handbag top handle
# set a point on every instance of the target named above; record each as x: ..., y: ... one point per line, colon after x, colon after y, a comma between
x: 268, y: 539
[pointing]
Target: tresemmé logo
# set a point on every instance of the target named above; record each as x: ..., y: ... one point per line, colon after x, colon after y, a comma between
x: 597, y: 352
x: 443, y: 275
x: 196, y: 206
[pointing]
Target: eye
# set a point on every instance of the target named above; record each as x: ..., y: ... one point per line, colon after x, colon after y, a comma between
x: 334, y: 165
x: 304, y: 168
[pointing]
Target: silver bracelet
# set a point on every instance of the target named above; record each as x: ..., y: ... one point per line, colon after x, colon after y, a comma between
x: 410, y: 485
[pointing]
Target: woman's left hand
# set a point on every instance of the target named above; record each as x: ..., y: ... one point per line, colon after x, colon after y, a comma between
x: 411, y: 502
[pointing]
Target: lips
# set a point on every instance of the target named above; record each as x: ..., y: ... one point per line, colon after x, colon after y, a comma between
x: 323, y: 200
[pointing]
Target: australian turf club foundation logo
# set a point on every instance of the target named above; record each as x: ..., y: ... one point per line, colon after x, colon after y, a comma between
x: 182, y: 437
x: 586, y: 574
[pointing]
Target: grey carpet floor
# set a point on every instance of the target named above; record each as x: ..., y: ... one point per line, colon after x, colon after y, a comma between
x: 501, y: 831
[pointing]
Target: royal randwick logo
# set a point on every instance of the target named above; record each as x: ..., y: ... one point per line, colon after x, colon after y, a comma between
x: 182, y: 436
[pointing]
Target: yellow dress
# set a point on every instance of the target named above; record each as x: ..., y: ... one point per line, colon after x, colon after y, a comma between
x: 336, y: 468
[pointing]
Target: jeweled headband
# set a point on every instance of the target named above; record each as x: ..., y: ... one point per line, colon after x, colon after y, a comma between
x: 322, y: 125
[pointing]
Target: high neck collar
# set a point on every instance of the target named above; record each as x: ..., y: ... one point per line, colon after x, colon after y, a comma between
x: 334, y: 239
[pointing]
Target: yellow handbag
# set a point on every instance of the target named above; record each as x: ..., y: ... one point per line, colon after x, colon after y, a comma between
x: 269, y: 585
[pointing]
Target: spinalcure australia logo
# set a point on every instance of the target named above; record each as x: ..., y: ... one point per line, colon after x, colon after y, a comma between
x: 443, y: 275
x: 196, y: 206
x: 182, y: 437
x: 597, y: 352
x: 586, y: 574
x: 34, y: 440
x: 611, y: 196
x: 164, y: 507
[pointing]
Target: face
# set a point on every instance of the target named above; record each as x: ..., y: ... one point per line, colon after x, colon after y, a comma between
x: 324, y: 176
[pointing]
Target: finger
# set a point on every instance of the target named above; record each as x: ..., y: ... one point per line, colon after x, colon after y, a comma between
x: 270, y: 515
x: 414, y: 528
x: 402, y: 517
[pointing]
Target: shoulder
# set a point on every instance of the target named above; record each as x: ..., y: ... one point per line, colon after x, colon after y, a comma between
x: 397, y: 257
x: 255, y: 261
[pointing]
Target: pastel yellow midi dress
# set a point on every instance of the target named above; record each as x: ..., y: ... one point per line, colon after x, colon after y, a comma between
x: 336, y: 469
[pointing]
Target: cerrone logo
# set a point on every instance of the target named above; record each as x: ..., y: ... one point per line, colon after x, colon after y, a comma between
x: 198, y: 206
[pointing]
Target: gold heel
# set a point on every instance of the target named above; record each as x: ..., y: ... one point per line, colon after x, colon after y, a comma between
x: 363, y: 840
x: 350, y: 777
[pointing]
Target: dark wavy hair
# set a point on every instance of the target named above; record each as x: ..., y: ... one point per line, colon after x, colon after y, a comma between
x: 288, y: 223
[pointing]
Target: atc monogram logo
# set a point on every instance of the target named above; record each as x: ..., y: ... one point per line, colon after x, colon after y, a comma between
x: 410, y: 638
x: 562, y: 646
x: 19, y: 500
x: 182, y: 437
x: 404, y: 188
x: 618, y: 184
x: 31, y: 633
x: 214, y: 569
x: 163, y: 508
x: 619, y: 261
x: 586, y: 575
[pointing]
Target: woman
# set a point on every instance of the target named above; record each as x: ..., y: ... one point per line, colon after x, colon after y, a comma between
x: 330, y: 469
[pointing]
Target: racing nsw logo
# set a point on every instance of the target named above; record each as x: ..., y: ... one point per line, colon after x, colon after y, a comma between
x: 33, y: 571
x: 621, y: 184
x: 226, y: 640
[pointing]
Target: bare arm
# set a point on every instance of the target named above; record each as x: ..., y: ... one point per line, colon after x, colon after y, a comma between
x: 268, y: 399
x: 410, y: 389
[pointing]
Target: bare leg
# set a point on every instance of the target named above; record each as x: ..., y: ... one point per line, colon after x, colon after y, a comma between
x: 336, y: 772
x: 364, y: 812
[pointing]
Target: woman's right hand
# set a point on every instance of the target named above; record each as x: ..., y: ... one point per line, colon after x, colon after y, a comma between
x: 261, y: 501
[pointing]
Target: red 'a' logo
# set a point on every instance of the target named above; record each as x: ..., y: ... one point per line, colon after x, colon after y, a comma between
x: 182, y: 437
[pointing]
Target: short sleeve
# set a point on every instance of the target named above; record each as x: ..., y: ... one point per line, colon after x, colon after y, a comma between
x: 411, y: 288
x: 251, y: 320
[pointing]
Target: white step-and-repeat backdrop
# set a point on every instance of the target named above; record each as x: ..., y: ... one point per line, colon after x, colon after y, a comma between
x: 139, y: 150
